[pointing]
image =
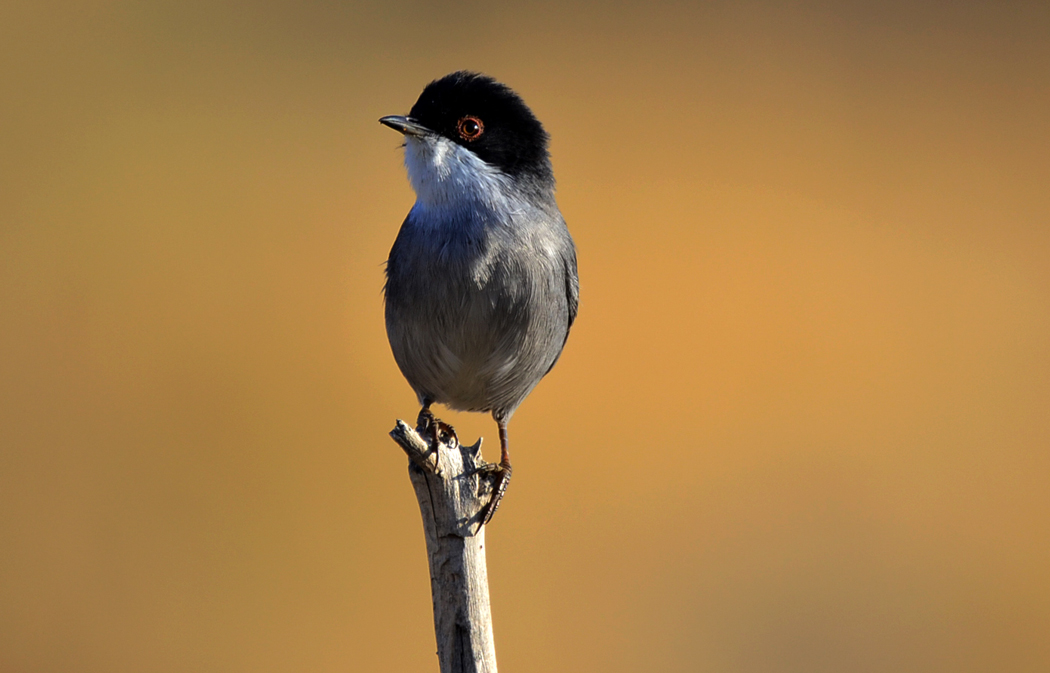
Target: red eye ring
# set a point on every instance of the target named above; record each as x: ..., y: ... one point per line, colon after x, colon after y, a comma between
x: 470, y: 128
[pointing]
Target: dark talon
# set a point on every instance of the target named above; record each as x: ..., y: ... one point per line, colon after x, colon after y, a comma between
x: 428, y: 426
x: 447, y: 433
x: 503, y: 480
x: 437, y: 431
x: 498, y: 491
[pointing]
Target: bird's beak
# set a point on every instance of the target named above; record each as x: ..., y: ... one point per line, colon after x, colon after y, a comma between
x: 406, y: 125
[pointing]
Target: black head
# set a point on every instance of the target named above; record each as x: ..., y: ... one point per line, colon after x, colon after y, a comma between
x: 487, y: 118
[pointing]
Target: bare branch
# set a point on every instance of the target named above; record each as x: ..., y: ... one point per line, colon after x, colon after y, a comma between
x: 453, y: 485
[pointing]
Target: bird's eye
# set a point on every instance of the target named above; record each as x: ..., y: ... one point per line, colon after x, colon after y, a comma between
x: 469, y: 128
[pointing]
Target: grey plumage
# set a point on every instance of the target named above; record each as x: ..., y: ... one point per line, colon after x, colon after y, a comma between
x: 478, y: 307
x: 482, y: 286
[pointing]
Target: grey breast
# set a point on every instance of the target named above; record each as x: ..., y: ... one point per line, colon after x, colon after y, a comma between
x: 478, y: 311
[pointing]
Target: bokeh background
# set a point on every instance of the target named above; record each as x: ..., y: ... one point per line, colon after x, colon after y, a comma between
x: 802, y: 423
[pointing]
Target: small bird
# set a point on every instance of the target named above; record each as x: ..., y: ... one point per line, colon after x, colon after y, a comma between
x: 481, y: 283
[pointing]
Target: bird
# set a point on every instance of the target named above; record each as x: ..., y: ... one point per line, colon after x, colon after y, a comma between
x: 481, y: 282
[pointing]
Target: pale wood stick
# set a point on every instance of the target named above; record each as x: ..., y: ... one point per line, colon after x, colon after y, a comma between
x: 453, y: 486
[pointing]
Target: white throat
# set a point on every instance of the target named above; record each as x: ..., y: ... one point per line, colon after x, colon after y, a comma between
x: 449, y: 179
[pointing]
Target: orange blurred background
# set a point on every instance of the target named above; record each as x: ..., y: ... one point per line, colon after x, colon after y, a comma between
x: 802, y: 423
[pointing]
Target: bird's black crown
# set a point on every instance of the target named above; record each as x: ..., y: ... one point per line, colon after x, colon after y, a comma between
x: 489, y: 119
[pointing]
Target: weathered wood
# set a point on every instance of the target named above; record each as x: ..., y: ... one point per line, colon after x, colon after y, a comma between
x: 453, y: 485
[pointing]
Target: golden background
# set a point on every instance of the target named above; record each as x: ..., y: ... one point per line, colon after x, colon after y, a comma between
x: 802, y: 423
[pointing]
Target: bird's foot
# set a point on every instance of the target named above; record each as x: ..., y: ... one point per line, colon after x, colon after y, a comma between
x: 437, y: 431
x: 499, y: 488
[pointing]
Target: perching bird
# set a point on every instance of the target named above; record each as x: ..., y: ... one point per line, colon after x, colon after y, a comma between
x: 481, y: 285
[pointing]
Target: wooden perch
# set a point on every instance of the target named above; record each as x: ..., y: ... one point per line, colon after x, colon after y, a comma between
x: 453, y: 486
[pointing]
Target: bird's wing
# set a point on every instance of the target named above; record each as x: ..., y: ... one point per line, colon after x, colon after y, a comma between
x: 572, y: 296
x: 572, y: 287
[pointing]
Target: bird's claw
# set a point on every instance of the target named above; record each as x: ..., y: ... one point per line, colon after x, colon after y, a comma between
x: 499, y: 488
x: 437, y: 431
